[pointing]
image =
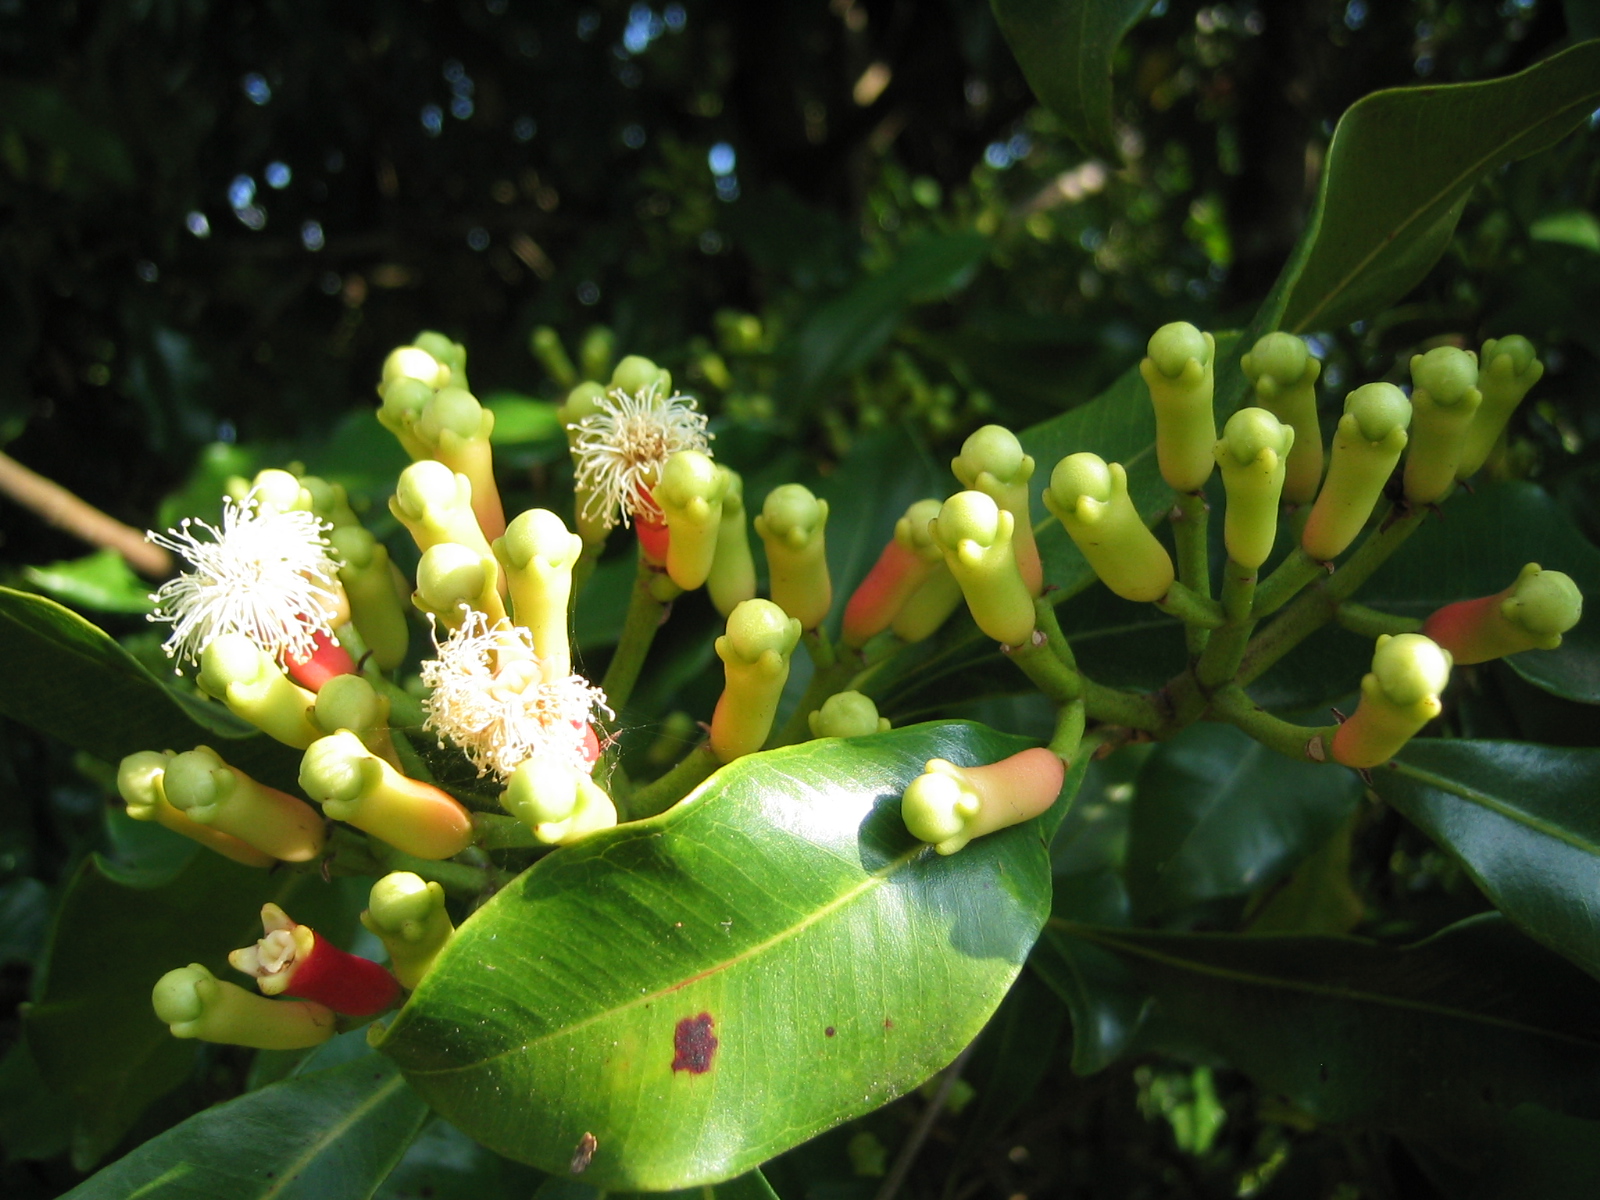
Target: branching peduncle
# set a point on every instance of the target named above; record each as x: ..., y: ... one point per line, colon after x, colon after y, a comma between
x: 1067, y: 741
x: 1189, y: 527
x: 1194, y: 610
x: 638, y: 631
x: 1371, y: 623
x: 1301, y: 742
x: 693, y: 769
x: 1222, y: 653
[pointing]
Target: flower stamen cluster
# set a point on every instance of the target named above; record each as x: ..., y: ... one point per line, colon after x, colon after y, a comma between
x: 618, y: 451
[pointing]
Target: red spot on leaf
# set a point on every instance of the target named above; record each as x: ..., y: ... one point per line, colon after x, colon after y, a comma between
x: 828, y: 1032
x: 887, y: 1023
x: 693, y: 1045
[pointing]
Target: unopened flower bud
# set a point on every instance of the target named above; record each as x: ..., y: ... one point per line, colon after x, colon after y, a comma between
x: 413, y: 362
x: 207, y: 790
x: 276, y: 491
x: 538, y: 554
x: 329, y: 501
x: 292, y: 959
x: 791, y: 526
x: 196, y: 1004
x: 545, y: 343
x: 929, y: 607
x: 582, y: 401
x: 1089, y: 496
x: 1531, y: 614
x: 1507, y: 370
x: 435, y: 504
x: 635, y: 373
x: 1366, y: 447
x: 141, y: 784
x: 1284, y: 376
x: 560, y: 804
x: 407, y: 913
x: 375, y: 608
x: 847, y: 714
x: 403, y: 399
x: 452, y: 578
x: 690, y: 498
x: 974, y: 534
x: 456, y: 430
x: 1398, y: 697
x: 1444, y: 400
x: 992, y: 462
x: 449, y: 353
x: 1253, y: 454
x: 350, y: 702
x: 356, y: 786
x: 244, y: 677
x: 733, y: 568
x: 1178, y: 373
x: 905, y: 565
x: 755, y: 653
x: 948, y: 805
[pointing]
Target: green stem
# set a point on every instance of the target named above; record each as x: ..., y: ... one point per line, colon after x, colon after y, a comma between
x: 1068, y: 737
x: 1303, y: 742
x: 1194, y: 610
x: 498, y: 832
x: 1221, y: 656
x: 1189, y: 526
x: 454, y: 877
x: 1044, y: 615
x: 1320, y: 602
x: 661, y: 794
x: 1040, y: 663
x: 638, y: 631
x: 1114, y: 707
x: 1370, y: 623
x: 1280, y: 587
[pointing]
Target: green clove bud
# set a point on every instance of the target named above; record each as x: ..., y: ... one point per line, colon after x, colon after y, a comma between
x: 196, y: 1004
x: 407, y: 914
x: 243, y: 676
x: 1531, y: 614
x: 1444, y: 400
x: 1284, y: 375
x: 435, y: 504
x: 561, y: 805
x: 1089, y: 496
x: 755, y: 654
x: 733, y: 568
x: 456, y: 430
x: 1507, y: 371
x: 847, y: 714
x: 948, y: 805
x: 453, y: 579
x: 974, y: 534
x: 992, y: 462
x: 538, y: 553
x: 1253, y: 453
x: 1366, y: 447
x: 1398, y: 697
x: 356, y: 786
x: 791, y: 526
x: 141, y: 784
x: 207, y: 790
x: 690, y: 495
x: 1178, y: 372
x: 376, y: 609
x: 905, y: 564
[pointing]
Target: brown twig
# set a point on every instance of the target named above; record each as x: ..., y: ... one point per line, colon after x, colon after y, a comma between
x: 81, y: 519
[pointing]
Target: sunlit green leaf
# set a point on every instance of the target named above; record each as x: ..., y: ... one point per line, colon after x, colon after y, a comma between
x: 101, y: 581
x: 519, y: 420
x: 1573, y: 228
x: 701, y: 991
x: 331, y: 1133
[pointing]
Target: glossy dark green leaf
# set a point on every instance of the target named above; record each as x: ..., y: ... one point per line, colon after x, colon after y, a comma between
x: 1218, y: 814
x: 1525, y: 822
x: 91, y: 1028
x: 332, y: 1133
x: 752, y: 1185
x: 846, y: 332
x: 1017, y: 1050
x: 442, y: 1163
x: 101, y: 581
x: 519, y: 420
x: 35, y: 1119
x: 1398, y: 173
x: 68, y: 679
x: 1066, y: 49
x: 1530, y: 1154
x: 703, y: 990
x: 1429, y: 1041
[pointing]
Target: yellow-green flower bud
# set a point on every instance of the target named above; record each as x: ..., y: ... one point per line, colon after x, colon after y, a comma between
x: 690, y: 495
x: 1366, y: 446
x: 1089, y: 496
x: 451, y: 578
x: 403, y: 399
x: 1253, y: 454
x: 1398, y: 697
x: 329, y: 501
x: 904, y: 565
x: 141, y: 783
x: 356, y: 786
x: 456, y: 430
x: 974, y: 534
x: 929, y: 607
x: 413, y: 362
x: 375, y: 607
x: 1444, y: 400
x: 992, y: 462
x: 276, y: 491
x: 755, y: 655
x: 435, y: 504
x: 733, y: 568
x: 791, y: 527
x: 1507, y: 370
x: 1178, y: 373
x: 208, y: 790
x: 1531, y: 614
x: 545, y: 344
x: 846, y: 714
x: 1284, y: 375
x: 538, y: 553
x: 560, y: 804
x: 582, y: 401
x: 350, y: 702
x: 243, y: 676
x: 595, y: 352
x: 196, y: 1004
x: 451, y: 354
x: 635, y: 374
x: 407, y: 914
x: 948, y: 805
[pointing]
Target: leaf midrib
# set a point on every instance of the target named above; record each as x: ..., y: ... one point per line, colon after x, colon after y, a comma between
x: 873, y: 880
x: 1455, y: 787
x: 1325, y: 991
x: 292, y: 1170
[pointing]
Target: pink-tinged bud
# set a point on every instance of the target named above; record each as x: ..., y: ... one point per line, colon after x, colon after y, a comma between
x: 209, y: 791
x: 1398, y: 697
x: 356, y: 786
x: 904, y: 566
x: 141, y: 781
x: 293, y: 960
x: 196, y: 1004
x: 948, y: 805
x: 1531, y: 614
x: 326, y: 662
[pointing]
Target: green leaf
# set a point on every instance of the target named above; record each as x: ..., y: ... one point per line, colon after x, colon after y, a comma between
x: 443, y: 1163
x: 845, y: 333
x: 1218, y: 814
x: 101, y: 581
x: 68, y: 679
x: 1572, y: 228
x: 1066, y: 49
x: 750, y: 1186
x: 1522, y: 820
x: 1398, y: 173
x: 1532, y: 1154
x: 329, y: 1133
x: 1431, y: 1041
x: 91, y: 1028
x: 520, y: 420
x: 705, y: 989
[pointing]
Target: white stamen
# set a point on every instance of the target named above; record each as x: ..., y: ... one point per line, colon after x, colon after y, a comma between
x: 488, y: 698
x: 622, y: 445
x: 268, y: 575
